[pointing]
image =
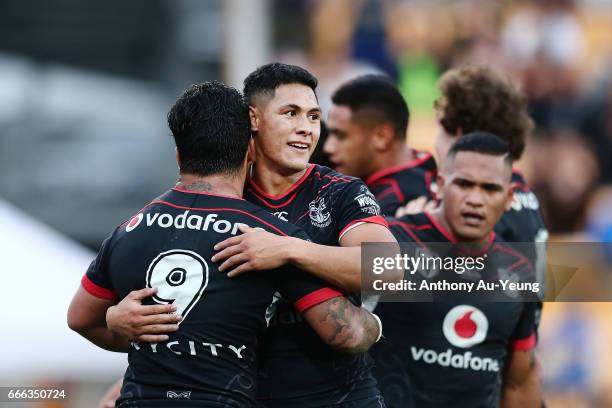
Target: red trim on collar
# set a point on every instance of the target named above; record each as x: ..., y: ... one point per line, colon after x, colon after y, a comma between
x: 292, y: 188
x: 270, y: 205
x: 440, y: 228
x: 385, y: 172
x: 450, y: 236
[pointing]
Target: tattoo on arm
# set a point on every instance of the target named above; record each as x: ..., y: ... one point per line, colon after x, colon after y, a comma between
x: 533, y: 361
x: 354, y: 329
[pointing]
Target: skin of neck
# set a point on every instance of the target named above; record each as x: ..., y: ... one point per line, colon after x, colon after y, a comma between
x: 398, y: 154
x: 222, y: 184
x: 275, y: 181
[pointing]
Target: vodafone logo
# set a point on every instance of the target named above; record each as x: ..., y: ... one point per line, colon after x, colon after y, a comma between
x: 185, y: 220
x: 134, y: 222
x: 465, y: 326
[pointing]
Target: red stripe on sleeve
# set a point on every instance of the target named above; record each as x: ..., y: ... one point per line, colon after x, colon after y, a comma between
x: 316, y: 297
x: 97, y: 291
x: 376, y: 219
x: 525, y: 344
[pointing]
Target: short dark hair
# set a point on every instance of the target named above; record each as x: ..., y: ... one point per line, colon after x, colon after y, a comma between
x: 376, y: 93
x: 477, y: 98
x: 211, y: 128
x: 266, y: 78
x: 481, y: 142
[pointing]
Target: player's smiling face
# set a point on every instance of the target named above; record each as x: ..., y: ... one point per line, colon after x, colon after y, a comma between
x: 288, y: 126
x: 475, y: 190
x: 348, y: 144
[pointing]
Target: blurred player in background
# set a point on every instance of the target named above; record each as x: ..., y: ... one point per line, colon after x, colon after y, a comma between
x: 338, y: 213
x: 462, y: 354
x: 477, y: 98
x: 165, y: 251
x: 367, y: 130
x: 367, y: 139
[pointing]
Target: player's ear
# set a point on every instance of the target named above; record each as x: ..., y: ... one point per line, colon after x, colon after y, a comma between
x: 510, y: 196
x: 246, y: 165
x: 254, y: 116
x: 251, y: 151
x: 440, y: 186
x: 177, y: 157
x: 383, y: 137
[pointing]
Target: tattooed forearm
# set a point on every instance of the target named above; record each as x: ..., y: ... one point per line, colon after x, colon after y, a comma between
x: 350, y: 329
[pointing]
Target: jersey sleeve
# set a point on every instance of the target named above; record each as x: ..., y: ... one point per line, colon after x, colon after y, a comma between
x: 96, y: 280
x: 301, y: 289
x: 525, y: 332
x: 357, y: 205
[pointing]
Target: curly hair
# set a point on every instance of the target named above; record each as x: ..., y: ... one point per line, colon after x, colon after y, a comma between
x: 477, y: 98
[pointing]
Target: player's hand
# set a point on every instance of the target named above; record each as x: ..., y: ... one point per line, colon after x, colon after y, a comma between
x: 140, y: 322
x: 253, y: 250
x: 416, y: 206
x: 109, y: 399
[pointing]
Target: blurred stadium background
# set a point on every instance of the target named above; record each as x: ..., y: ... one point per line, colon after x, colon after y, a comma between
x: 85, y: 87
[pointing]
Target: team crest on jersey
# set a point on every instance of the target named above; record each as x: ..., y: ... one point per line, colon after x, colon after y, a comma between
x: 318, y: 216
x: 367, y: 202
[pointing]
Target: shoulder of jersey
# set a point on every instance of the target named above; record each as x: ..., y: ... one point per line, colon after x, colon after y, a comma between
x: 419, y: 225
x: 411, y: 219
x: 259, y: 216
x: 513, y: 256
x: 285, y: 226
x: 425, y: 159
x: 519, y: 180
x: 328, y: 174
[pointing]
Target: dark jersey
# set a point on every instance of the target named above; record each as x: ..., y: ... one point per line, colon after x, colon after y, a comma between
x: 299, y: 370
x: 395, y: 186
x: 211, y: 360
x: 449, y: 354
x: 523, y: 222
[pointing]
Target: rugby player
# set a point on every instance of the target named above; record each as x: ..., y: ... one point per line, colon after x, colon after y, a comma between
x: 368, y: 111
x: 338, y: 212
x: 367, y: 139
x: 211, y: 359
x: 477, y: 98
x: 463, y: 354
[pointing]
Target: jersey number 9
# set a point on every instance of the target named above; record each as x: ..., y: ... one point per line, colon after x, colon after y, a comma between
x: 180, y: 277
